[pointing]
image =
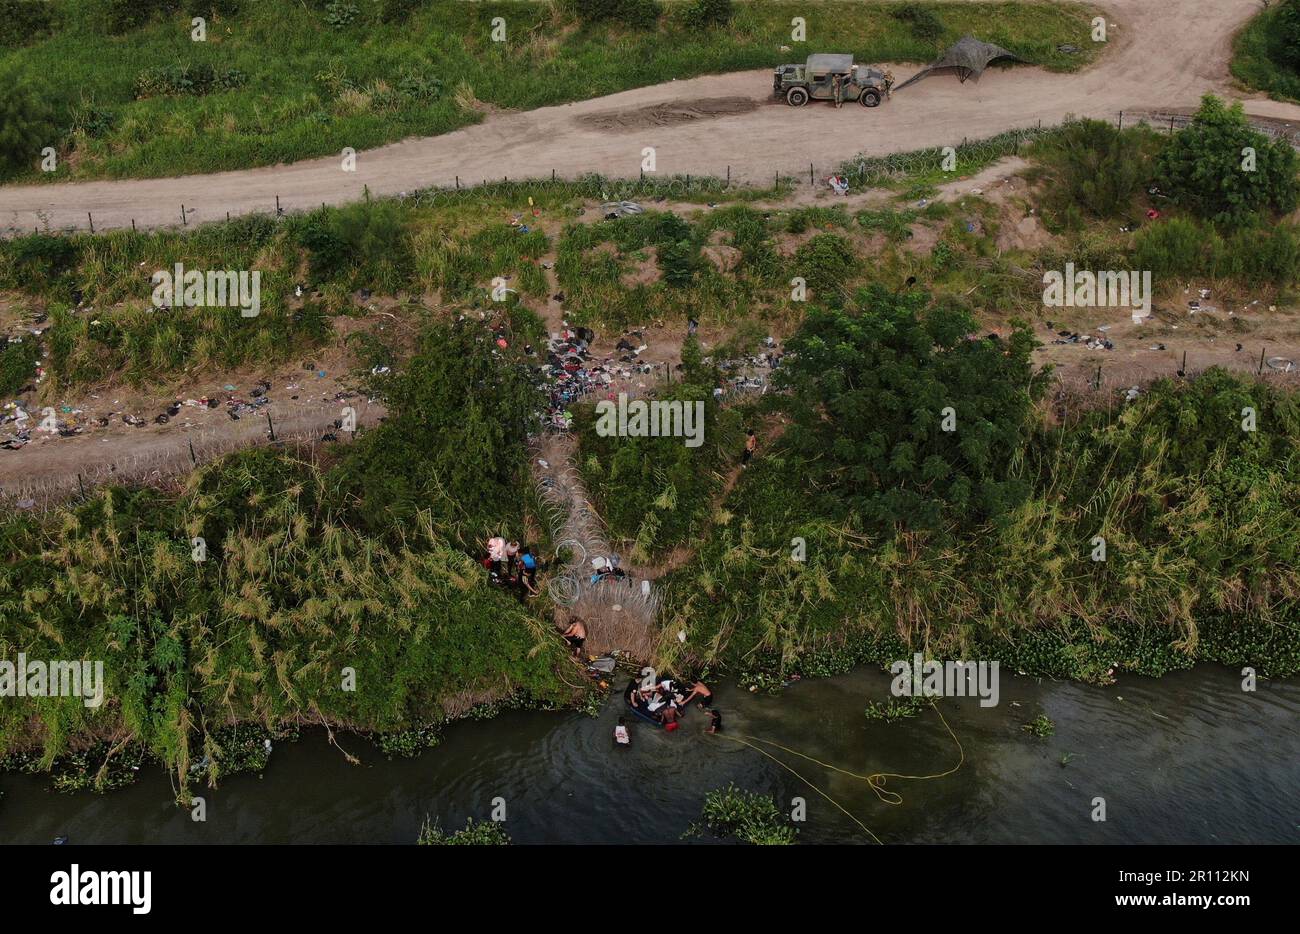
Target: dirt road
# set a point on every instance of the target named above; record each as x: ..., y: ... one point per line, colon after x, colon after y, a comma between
x: 1162, y: 55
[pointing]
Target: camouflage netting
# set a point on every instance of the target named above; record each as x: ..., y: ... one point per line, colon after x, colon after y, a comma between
x: 968, y: 58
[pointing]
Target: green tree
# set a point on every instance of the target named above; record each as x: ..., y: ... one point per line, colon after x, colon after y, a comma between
x: 454, y: 442
x: 26, y: 122
x: 1225, y: 171
x: 904, y: 417
x: 1287, y: 33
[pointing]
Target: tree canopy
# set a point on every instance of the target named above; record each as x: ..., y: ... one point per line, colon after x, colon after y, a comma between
x: 902, y: 414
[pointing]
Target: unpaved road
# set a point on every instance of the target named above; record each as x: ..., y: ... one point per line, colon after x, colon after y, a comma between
x: 1164, y: 55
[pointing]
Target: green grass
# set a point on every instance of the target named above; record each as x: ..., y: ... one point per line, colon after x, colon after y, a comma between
x: 310, y: 89
x: 1255, y: 61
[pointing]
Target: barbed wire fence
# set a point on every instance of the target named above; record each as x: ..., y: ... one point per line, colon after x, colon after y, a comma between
x: 301, y: 428
x: 862, y: 171
x: 620, y: 612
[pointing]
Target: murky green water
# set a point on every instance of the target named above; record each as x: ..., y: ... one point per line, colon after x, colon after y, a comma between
x: 1188, y: 758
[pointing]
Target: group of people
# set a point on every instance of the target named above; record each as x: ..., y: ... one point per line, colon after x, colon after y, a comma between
x: 510, y: 565
x: 666, y: 700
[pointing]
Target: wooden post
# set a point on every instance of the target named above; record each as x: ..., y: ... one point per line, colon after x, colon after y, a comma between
x: 92, y: 222
x: 133, y: 225
x: 193, y: 460
x: 278, y: 212
x: 1261, y: 361
x: 183, y: 218
x: 270, y: 424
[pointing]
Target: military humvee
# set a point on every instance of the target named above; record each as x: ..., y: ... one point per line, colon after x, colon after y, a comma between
x: 831, y: 78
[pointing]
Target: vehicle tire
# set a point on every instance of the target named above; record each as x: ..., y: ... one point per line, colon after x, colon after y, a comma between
x: 796, y: 97
x: 869, y: 98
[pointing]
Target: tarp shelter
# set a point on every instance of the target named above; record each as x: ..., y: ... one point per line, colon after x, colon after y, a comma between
x: 968, y: 58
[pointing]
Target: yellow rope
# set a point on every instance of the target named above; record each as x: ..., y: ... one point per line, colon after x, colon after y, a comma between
x: 876, y: 780
x: 737, y: 739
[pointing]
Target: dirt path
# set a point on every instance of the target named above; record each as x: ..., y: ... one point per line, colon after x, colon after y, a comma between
x: 1163, y: 55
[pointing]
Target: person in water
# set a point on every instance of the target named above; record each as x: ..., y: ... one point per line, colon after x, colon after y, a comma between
x: 620, y: 733
x: 700, y: 690
x: 715, y: 722
x: 575, y: 636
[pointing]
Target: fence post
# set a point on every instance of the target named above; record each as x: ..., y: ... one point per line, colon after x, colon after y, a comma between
x: 1121, y: 120
x: 1261, y: 362
x: 458, y: 182
x: 92, y: 226
x: 133, y: 225
x: 193, y: 460
x: 278, y: 212
x: 184, y: 220
x: 728, y: 175
x: 810, y: 174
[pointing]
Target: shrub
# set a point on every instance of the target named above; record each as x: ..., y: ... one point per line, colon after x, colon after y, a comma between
x: 39, y: 261
x: 639, y: 14
x: 677, y: 259
x: 22, y: 21
x: 826, y: 263
x: 396, y: 11
x: 1203, y: 167
x: 340, y: 13
x: 362, y: 245
x: 1286, y: 33
x: 26, y: 122
x: 925, y: 24
x: 194, y: 79
x: 1097, y: 167
x: 18, y: 364
x: 708, y: 14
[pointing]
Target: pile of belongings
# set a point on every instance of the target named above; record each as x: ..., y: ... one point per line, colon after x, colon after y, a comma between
x: 1092, y: 343
x: 238, y: 408
x: 570, y: 374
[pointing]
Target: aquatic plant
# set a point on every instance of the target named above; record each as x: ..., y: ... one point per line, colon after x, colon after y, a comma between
x: 1041, y: 726
x: 748, y: 816
x: 474, y: 833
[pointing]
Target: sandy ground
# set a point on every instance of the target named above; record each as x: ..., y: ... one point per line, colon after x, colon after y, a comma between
x: 1163, y: 55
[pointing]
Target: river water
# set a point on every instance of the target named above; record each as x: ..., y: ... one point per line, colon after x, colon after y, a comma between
x: 1188, y: 758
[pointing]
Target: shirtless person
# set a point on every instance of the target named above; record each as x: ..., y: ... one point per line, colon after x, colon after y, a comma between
x: 576, y: 635
x: 701, y: 690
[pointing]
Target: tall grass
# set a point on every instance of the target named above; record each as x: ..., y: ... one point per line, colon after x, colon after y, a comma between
x: 312, y: 89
